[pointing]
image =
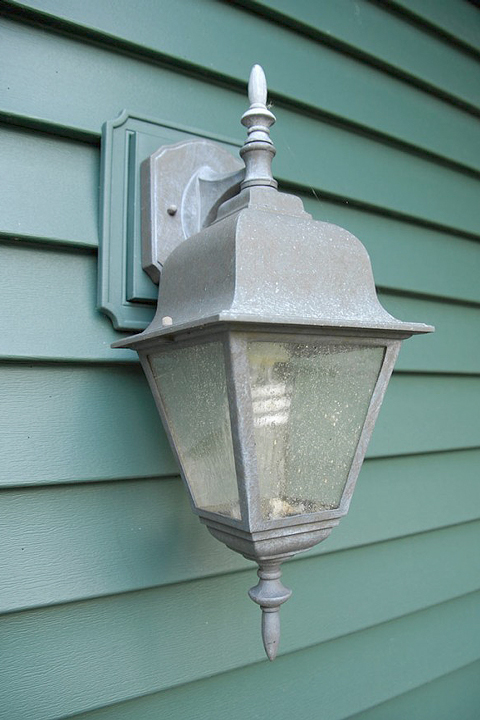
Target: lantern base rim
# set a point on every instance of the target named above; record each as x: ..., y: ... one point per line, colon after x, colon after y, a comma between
x: 272, y: 545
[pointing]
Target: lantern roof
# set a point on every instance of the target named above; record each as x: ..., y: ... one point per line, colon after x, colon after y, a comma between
x: 264, y: 260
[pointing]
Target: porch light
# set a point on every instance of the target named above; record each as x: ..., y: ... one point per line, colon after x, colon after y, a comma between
x: 268, y: 357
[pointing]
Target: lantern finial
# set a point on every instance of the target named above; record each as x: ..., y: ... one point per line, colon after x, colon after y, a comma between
x: 270, y: 593
x: 258, y: 150
x: 257, y: 87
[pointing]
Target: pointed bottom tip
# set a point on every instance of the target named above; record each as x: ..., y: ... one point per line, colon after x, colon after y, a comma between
x: 271, y: 632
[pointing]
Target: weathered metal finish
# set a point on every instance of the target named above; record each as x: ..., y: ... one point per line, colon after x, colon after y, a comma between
x: 182, y: 187
x: 258, y: 150
x: 264, y: 269
x: 270, y: 593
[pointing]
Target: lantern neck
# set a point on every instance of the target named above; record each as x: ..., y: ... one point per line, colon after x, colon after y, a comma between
x: 258, y: 150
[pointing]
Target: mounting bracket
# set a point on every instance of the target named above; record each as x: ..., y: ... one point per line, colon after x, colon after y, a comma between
x: 126, y: 293
x: 182, y: 187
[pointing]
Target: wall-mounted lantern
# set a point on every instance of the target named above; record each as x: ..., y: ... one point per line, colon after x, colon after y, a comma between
x: 269, y: 354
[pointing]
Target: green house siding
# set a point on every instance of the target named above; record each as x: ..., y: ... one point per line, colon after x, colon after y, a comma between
x: 115, y: 603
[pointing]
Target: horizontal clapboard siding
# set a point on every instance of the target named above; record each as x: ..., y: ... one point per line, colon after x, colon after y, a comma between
x: 166, y: 29
x: 113, y: 595
x: 444, y: 698
x: 56, y: 210
x: 158, y: 92
x: 454, y: 695
x: 366, y: 30
x: 75, y: 423
x: 341, y: 675
x: 38, y: 327
x: 409, y: 257
x: 384, y: 39
x: 57, y: 180
x: 54, y: 533
x: 324, y: 679
x: 457, y: 21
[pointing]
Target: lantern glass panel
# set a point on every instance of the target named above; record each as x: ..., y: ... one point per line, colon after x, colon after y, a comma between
x: 310, y: 403
x: 192, y: 385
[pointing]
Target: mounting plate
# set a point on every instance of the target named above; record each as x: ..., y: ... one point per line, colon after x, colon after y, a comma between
x: 125, y: 292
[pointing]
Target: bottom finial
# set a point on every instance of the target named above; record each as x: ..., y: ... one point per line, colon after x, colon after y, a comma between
x: 271, y: 631
x: 270, y: 593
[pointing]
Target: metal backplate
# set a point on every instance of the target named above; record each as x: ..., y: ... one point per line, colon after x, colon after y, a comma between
x: 125, y: 292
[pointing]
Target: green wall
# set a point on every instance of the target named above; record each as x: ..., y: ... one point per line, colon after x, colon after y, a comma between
x: 115, y: 603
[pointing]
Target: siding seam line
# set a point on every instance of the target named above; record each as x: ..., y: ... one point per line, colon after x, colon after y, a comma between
x: 412, y: 689
x: 285, y: 654
x: 190, y: 69
x: 310, y: 31
x: 300, y: 559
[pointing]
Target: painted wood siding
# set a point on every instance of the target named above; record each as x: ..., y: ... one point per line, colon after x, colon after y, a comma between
x: 116, y: 604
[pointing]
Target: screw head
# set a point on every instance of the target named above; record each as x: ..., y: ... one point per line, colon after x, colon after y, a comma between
x: 172, y: 209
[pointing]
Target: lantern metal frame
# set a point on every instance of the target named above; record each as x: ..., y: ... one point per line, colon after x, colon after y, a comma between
x: 233, y: 338
x: 241, y: 277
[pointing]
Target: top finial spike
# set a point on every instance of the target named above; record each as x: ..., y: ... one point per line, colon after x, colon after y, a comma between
x: 257, y: 86
x: 258, y: 150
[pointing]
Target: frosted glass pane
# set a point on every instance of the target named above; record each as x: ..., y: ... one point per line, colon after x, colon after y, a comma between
x: 192, y: 385
x: 309, y: 407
